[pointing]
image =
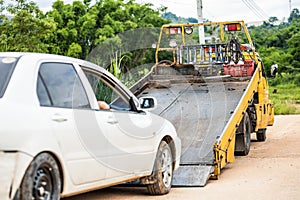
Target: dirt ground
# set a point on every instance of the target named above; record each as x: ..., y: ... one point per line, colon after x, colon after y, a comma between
x: 270, y: 171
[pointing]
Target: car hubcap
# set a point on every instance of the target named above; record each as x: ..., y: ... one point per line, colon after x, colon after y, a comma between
x: 166, y: 167
x: 42, y: 185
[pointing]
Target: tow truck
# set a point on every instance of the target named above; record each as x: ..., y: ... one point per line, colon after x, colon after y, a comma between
x: 215, y: 92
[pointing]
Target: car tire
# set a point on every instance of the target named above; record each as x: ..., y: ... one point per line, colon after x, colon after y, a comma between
x: 41, y: 179
x: 162, y: 171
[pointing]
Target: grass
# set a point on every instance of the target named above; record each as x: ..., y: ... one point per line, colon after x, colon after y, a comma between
x: 287, y: 99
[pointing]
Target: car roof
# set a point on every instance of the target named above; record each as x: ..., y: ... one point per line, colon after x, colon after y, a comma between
x: 52, y: 56
x: 39, y: 55
x: 64, y: 58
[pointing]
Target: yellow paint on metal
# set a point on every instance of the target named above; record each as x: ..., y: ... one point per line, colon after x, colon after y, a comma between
x: 224, y: 147
x: 265, y: 116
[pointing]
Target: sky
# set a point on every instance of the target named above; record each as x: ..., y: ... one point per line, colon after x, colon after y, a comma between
x: 224, y: 10
x: 218, y: 10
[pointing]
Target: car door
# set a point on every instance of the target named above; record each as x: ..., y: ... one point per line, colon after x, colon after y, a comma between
x: 63, y: 100
x: 130, y: 135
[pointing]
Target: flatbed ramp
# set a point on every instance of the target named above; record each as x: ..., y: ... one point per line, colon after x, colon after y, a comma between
x: 214, y: 91
x: 200, y: 109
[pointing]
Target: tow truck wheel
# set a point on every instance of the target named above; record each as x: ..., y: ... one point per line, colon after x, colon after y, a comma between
x: 261, y: 135
x: 243, y: 137
x: 41, y: 179
x: 167, y: 63
x: 162, y: 171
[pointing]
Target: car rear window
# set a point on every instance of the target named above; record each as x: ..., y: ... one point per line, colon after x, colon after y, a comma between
x: 7, y: 66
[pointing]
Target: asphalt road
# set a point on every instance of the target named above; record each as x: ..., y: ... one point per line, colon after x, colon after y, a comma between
x: 270, y: 171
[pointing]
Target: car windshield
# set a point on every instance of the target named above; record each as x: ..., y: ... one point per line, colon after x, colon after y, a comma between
x: 7, y: 65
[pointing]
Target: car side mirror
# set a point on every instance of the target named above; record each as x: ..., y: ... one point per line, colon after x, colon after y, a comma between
x: 148, y: 103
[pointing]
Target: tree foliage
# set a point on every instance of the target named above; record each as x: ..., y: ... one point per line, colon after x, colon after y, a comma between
x: 177, y: 20
x: 278, y: 43
x: 27, y: 30
x: 77, y: 29
x: 85, y: 25
x: 71, y: 29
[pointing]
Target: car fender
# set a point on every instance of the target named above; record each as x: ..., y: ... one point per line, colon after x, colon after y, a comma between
x: 166, y: 133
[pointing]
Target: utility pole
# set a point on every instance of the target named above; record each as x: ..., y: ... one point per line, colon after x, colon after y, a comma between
x: 290, y: 5
x: 200, y: 20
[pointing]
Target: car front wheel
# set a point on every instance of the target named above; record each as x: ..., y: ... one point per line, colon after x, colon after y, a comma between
x: 162, y: 171
x: 41, y: 180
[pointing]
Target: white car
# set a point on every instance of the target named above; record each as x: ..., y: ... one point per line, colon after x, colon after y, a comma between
x: 55, y: 141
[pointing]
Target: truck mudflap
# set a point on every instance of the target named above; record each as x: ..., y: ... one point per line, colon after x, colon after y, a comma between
x: 192, y: 175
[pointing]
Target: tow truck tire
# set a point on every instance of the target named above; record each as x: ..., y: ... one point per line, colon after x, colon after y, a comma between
x: 165, y: 63
x: 261, y: 135
x: 162, y: 171
x: 243, y: 137
x: 41, y: 179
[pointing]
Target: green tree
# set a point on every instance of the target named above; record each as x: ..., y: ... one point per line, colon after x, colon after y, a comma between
x: 74, y: 50
x: 90, y: 25
x: 294, y: 50
x: 27, y: 30
x: 295, y: 14
x: 279, y: 43
x: 273, y: 19
x: 71, y: 19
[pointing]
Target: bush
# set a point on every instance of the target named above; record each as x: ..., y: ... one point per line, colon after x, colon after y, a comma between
x: 283, y: 109
x: 284, y: 79
x: 287, y: 99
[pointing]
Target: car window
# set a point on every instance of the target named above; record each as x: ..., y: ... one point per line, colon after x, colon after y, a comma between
x: 58, y: 85
x: 106, y: 90
x: 43, y: 94
x: 7, y: 65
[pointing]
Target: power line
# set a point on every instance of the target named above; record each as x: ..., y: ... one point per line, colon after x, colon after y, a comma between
x: 253, y: 9
x: 260, y: 9
x: 256, y: 9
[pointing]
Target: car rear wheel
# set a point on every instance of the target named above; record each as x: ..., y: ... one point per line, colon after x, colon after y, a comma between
x: 162, y: 171
x: 41, y: 180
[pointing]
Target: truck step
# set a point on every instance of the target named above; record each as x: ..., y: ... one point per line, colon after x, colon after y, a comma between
x: 192, y: 175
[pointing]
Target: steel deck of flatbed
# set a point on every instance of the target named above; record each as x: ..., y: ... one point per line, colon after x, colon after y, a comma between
x: 200, y: 112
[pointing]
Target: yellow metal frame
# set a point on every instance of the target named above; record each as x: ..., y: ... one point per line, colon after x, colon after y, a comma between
x: 182, y: 26
x: 224, y: 147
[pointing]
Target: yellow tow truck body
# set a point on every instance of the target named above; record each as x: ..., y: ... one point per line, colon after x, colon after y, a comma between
x: 216, y: 94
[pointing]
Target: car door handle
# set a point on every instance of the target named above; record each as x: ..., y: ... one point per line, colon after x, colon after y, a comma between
x: 112, y: 120
x: 59, y: 118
